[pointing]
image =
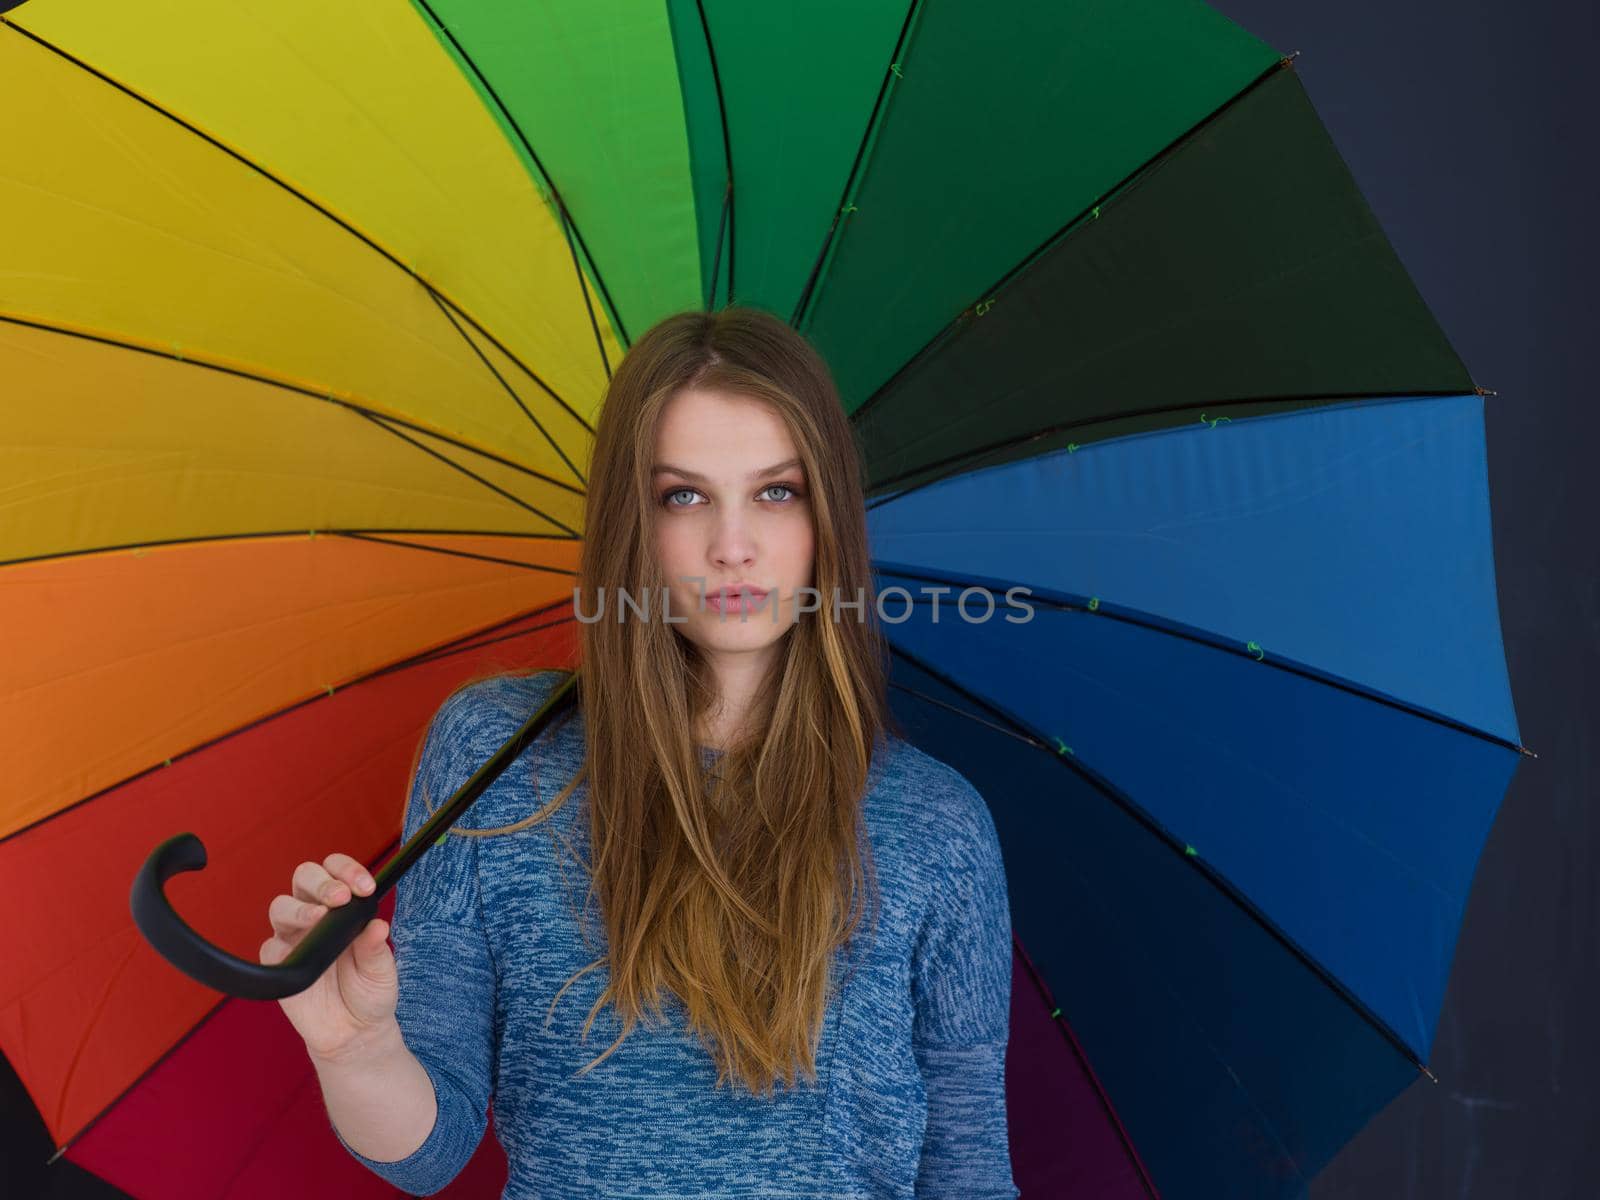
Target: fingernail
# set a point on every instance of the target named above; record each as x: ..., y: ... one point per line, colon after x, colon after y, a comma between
x: 366, y: 883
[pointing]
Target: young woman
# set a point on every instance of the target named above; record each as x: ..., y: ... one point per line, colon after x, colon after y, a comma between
x: 794, y: 933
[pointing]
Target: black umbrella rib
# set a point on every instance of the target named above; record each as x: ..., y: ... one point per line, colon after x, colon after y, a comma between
x: 471, y: 474
x: 1053, y: 600
x: 812, y: 279
x: 1173, y: 843
x: 1133, y: 177
x: 452, y: 553
x: 504, y: 383
x: 434, y: 656
x: 716, y: 258
x: 956, y: 464
x: 568, y: 225
x: 1075, y: 1048
x: 727, y: 219
x: 141, y: 1076
x: 476, y: 639
x: 368, y: 534
x: 387, y: 421
x: 1062, y: 1024
x: 303, y: 198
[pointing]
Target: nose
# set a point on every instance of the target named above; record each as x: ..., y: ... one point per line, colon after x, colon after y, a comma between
x: 732, y: 544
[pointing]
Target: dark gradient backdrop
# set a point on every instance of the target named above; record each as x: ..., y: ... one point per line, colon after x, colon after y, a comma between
x: 1471, y: 128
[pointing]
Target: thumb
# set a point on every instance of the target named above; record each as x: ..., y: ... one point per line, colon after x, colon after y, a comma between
x: 373, y: 958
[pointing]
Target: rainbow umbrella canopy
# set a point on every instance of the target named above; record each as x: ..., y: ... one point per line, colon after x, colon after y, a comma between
x: 306, y: 312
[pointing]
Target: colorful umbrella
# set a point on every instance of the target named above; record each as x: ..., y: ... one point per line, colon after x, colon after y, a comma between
x: 305, y: 314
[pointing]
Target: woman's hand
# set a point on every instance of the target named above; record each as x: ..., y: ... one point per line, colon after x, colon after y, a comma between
x: 353, y: 1003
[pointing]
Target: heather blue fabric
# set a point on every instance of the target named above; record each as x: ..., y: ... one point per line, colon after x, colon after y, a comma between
x: 909, y: 1099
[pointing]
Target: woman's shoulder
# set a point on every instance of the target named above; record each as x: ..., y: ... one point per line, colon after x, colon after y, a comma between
x: 942, y: 810
x: 910, y: 774
x: 477, y: 718
x: 951, y: 839
x: 497, y: 704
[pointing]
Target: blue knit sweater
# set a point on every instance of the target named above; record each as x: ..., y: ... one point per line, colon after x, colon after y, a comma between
x: 909, y: 1099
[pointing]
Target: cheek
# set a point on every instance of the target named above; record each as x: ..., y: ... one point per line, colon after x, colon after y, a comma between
x: 673, y: 545
x: 803, y: 548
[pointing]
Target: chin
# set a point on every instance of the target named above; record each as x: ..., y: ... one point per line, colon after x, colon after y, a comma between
x: 730, y: 634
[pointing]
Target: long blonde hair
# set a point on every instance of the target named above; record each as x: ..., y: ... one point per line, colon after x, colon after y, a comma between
x: 732, y: 893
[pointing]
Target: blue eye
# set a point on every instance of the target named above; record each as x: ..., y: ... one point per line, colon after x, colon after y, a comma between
x: 793, y: 491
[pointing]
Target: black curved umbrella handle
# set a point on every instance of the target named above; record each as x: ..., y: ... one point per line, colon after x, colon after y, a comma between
x: 176, y: 941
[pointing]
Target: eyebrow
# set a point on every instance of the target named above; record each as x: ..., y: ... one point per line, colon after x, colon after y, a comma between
x: 664, y: 468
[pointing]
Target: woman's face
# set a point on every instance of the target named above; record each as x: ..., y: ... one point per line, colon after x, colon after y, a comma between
x: 732, y: 506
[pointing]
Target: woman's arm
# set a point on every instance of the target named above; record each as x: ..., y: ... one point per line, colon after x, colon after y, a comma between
x: 961, y: 990
x: 379, y: 1098
x: 414, y: 1106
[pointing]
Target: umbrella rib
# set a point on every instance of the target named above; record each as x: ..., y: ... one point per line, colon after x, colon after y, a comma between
x: 1173, y: 843
x: 716, y: 258
x: 386, y: 421
x: 476, y: 639
x: 471, y: 474
x: 889, y: 72
x: 488, y: 558
x: 303, y: 198
x: 1089, y: 897
x: 1133, y: 177
x: 283, y: 533
x: 1050, y: 598
x: 956, y: 464
x: 504, y: 383
x: 1077, y: 1051
x: 569, y: 227
x: 141, y: 1077
x: 727, y: 218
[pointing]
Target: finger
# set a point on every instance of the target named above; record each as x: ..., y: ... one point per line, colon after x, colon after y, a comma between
x: 371, y: 949
x: 272, y: 952
x: 311, y: 882
x: 290, y: 917
x: 354, y: 874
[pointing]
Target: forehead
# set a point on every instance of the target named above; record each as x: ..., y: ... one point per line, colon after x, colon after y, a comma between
x: 721, y: 433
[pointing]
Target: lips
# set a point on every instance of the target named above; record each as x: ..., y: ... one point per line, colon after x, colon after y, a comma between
x: 737, y: 598
x: 738, y: 589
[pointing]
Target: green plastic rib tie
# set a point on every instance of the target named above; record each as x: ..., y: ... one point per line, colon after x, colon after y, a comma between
x: 1256, y: 651
x: 1190, y: 851
x: 1063, y: 748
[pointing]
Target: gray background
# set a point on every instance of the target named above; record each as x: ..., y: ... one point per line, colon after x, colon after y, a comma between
x: 1471, y: 129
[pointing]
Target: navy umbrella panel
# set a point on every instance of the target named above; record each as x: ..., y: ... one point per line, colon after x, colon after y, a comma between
x: 1243, y: 735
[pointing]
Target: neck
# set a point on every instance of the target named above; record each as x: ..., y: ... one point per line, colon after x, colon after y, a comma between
x: 737, y: 677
